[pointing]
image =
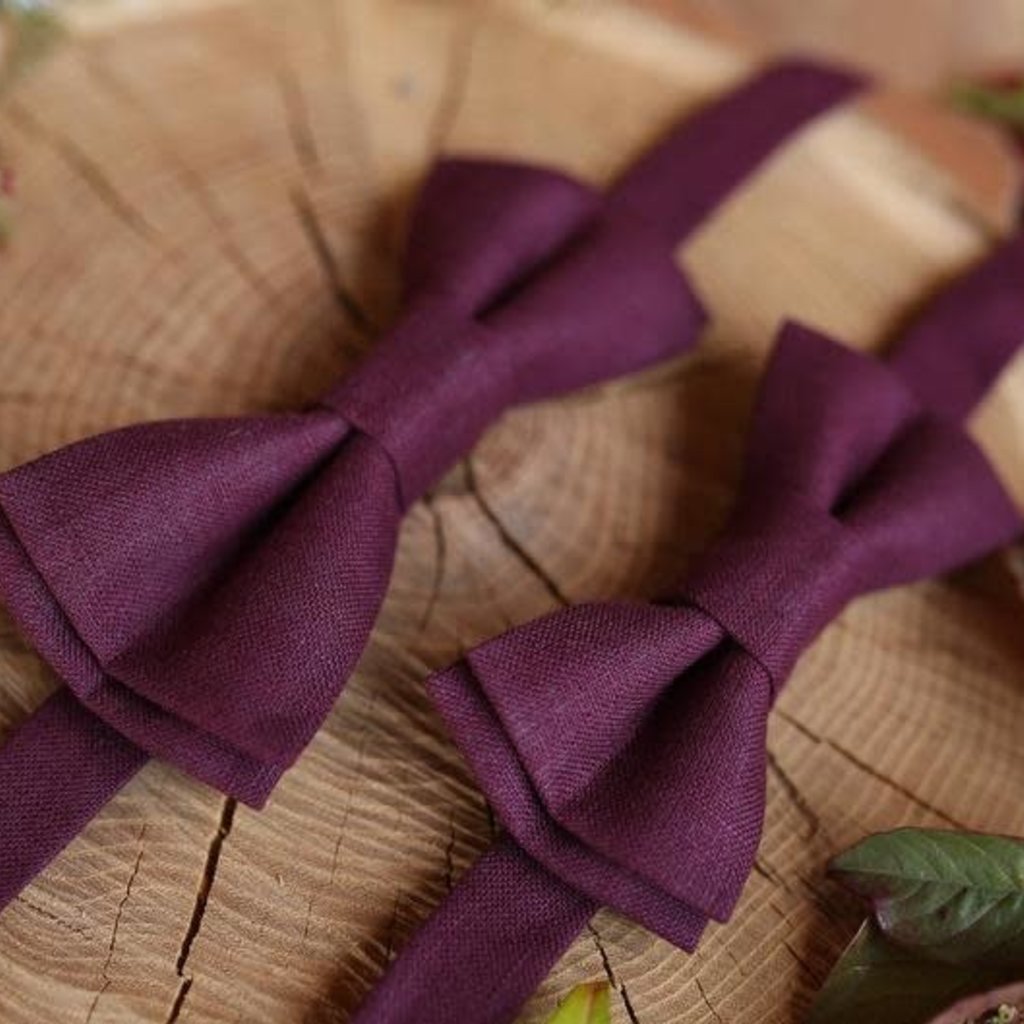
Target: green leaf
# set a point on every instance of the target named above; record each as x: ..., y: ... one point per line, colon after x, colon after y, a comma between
x: 585, y: 1004
x: 958, y: 896
x: 31, y: 28
x: 877, y: 981
x: 1006, y: 105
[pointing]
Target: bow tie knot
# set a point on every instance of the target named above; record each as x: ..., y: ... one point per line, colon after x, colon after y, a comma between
x: 427, y: 392
x: 772, y: 581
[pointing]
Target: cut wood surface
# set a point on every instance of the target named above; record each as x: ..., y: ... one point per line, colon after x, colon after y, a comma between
x: 921, y: 43
x: 209, y: 217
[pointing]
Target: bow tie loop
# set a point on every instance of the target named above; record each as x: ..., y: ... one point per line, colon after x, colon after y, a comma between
x: 613, y: 295
x: 850, y: 437
x: 479, y: 226
x: 428, y: 389
x: 896, y: 515
x: 824, y: 414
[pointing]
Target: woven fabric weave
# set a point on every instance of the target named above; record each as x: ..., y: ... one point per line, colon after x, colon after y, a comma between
x: 623, y: 746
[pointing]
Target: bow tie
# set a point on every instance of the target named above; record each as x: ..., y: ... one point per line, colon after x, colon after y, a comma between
x: 623, y: 746
x: 203, y: 588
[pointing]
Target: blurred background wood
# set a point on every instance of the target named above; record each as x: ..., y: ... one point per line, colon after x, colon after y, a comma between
x: 204, y: 197
x: 917, y: 43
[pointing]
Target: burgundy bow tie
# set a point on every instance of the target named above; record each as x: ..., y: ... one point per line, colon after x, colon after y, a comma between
x: 622, y: 746
x: 204, y: 587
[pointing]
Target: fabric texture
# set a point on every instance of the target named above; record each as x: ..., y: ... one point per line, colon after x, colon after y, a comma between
x: 204, y: 587
x: 622, y: 746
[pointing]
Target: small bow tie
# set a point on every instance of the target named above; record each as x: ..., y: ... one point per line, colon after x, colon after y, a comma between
x: 623, y: 746
x: 205, y: 587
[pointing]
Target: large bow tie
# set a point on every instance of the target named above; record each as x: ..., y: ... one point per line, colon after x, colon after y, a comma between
x: 205, y: 587
x: 623, y: 746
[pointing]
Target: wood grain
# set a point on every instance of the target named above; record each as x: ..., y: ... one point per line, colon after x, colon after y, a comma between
x: 917, y: 43
x: 209, y: 218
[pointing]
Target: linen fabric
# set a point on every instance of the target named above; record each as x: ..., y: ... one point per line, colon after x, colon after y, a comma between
x: 203, y: 588
x: 623, y: 746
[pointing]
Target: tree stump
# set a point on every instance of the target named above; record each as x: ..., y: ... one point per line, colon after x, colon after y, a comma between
x: 208, y: 220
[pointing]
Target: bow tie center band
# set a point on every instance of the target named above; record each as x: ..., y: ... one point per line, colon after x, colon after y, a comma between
x: 858, y: 476
x: 203, y: 588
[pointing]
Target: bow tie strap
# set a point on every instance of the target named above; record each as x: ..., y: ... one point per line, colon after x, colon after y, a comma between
x: 205, y: 587
x: 508, y: 913
x: 974, y: 327
x: 733, y: 135
x: 624, y: 747
x: 486, y: 949
x: 59, y: 768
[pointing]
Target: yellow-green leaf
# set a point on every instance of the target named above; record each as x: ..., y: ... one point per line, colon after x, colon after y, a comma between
x: 585, y: 1004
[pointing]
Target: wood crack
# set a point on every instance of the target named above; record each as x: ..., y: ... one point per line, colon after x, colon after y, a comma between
x: 898, y: 787
x: 440, y: 557
x: 853, y: 759
x: 361, y: 742
x: 193, y: 183
x: 326, y: 260
x: 50, y: 916
x: 96, y: 1000
x: 337, y: 845
x: 121, y: 905
x: 613, y: 980
x: 297, y: 120
x: 179, y: 1001
x: 227, y: 818
x: 87, y: 170
x: 707, y: 1002
x: 509, y: 540
x: 309, y: 917
x: 796, y: 797
x: 105, y: 969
